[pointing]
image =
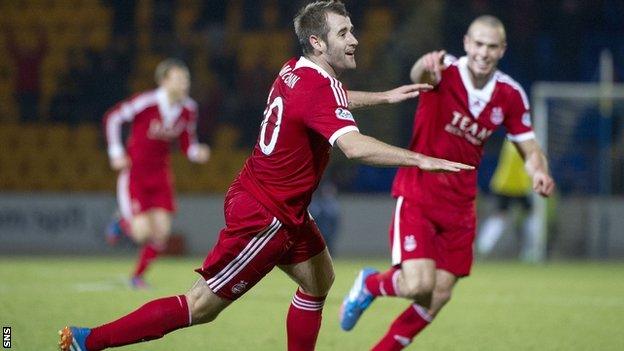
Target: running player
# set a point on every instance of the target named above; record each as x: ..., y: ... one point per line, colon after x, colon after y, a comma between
x: 434, y: 223
x: 266, y: 217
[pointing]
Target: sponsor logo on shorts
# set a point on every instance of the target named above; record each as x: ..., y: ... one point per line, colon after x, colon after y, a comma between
x: 239, y: 287
x: 409, y: 243
x: 345, y: 114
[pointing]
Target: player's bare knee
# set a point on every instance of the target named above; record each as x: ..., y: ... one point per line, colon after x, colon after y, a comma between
x: 140, y: 237
x: 443, y: 295
x: 319, y: 287
x: 202, y: 303
x: 140, y: 231
x: 418, y: 289
x: 327, y: 283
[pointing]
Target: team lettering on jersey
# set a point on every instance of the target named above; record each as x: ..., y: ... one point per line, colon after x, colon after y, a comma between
x: 289, y: 78
x: 467, y: 127
x: 158, y: 131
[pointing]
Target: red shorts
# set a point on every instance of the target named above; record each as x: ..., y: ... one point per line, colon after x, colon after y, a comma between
x: 252, y: 243
x: 138, y: 192
x: 442, y: 234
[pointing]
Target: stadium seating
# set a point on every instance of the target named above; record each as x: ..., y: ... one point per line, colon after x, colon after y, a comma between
x: 60, y: 157
x: 56, y: 157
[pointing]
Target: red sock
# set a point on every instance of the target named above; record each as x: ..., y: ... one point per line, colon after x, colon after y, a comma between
x: 304, y: 321
x: 383, y: 283
x: 149, y: 252
x: 414, y: 319
x: 151, y: 321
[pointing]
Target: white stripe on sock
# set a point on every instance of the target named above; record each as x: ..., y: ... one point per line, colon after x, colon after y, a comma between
x: 422, y: 312
x: 307, y: 304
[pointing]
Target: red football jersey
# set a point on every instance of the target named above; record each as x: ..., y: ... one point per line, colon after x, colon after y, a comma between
x: 155, y: 123
x: 307, y: 110
x: 453, y: 121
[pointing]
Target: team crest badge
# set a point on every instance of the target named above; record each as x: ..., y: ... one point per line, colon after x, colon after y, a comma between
x: 342, y: 113
x: 409, y: 243
x: 497, y: 115
x: 239, y: 287
x: 526, y: 119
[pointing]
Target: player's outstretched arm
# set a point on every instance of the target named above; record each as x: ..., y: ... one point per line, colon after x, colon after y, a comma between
x: 358, y: 99
x: 428, y: 68
x: 371, y: 151
x: 536, y: 165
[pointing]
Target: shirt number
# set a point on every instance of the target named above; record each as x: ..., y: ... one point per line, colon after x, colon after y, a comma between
x: 276, y: 108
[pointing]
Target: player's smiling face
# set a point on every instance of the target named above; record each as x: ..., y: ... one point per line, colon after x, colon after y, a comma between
x: 485, y: 46
x: 341, y: 43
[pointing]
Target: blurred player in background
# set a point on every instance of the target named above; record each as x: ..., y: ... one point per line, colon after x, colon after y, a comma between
x: 434, y: 223
x: 145, y: 185
x: 267, y: 222
x: 511, y: 185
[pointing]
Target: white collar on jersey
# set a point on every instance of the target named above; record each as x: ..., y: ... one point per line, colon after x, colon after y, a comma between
x: 305, y: 62
x: 477, y: 98
x: 169, y: 112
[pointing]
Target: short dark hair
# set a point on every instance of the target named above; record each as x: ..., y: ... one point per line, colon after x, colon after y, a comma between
x: 165, y: 66
x: 492, y: 22
x: 312, y: 20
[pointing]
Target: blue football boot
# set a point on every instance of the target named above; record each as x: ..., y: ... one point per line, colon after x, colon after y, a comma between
x: 137, y: 283
x: 357, y: 301
x: 114, y: 232
x: 74, y: 339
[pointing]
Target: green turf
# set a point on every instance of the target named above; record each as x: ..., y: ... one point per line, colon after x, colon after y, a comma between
x: 502, y: 306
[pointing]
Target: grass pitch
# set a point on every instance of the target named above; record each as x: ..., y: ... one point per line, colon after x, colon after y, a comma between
x: 502, y: 306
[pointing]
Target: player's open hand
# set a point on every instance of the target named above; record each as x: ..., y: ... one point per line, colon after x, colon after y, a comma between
x: 543, y: 184
x: 201, y: 153
x: 432, y: 164
x: 120, y: 163
x: 405, y: 92
x: 433, y: 63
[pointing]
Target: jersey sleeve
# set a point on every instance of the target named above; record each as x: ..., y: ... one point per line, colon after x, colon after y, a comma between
x: 518, y: 119
x: 448, y: 61
x: 188, y: 137
x: 113, y: 119
x: 329, y: 113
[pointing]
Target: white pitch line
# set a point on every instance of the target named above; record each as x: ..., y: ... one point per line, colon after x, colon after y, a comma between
x: 105, y: 285
x: 95, y: 286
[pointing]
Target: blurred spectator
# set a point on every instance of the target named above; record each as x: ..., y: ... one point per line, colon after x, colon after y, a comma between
x: 251, y: 86
x: 71, y: 100
x: 325, y: 210
x: 64, y: 102
x: 28, y: 50
x: 210, y: 100
x: 109, y: 79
